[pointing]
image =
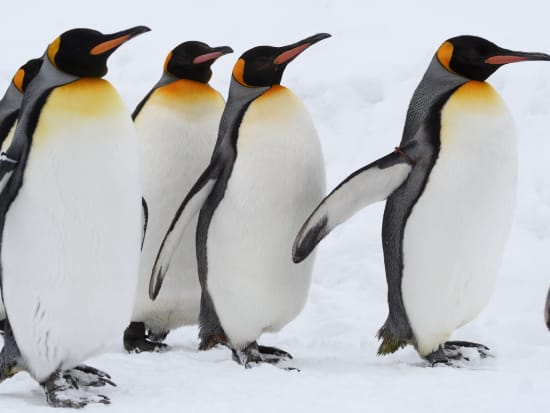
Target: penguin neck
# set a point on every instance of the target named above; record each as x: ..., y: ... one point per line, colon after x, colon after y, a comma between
x: 238, y: 101
x: 11, y: 101
x: 9, y: 109
x: 165, y: 79
x: 47, y: 79
x: 436, y: 86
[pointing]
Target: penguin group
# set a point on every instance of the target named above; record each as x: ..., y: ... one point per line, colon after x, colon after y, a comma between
x: 193, y: 210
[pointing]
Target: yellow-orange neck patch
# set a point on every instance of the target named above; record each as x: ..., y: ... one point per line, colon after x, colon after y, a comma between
x: 53, y: 48
x: 18, y: 80
x: 238, y: 72
x: 444, y: 55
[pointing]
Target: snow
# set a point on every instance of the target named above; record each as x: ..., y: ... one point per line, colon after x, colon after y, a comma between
x: 357, y: 86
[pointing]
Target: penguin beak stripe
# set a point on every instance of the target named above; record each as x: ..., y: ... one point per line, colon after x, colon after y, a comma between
x: 109, y: 45
x: 291, y: 54
x: 206, y: 57
x: 502, y: 60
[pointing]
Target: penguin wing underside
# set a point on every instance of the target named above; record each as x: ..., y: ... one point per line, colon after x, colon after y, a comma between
x: 190, y: 206
x: 372, y: 183
x: 7, y: 166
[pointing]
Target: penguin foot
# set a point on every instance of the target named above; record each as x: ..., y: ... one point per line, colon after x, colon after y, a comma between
x: 135, y: 340
x: 254, y: 355
x: 454, y: 353
x: 268, y: 351
x: 141, y: 345
x: 87, y: 376
x: 157, y: 337
x: 62, y: 391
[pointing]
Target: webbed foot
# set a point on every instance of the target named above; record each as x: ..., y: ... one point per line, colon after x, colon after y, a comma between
x: 62, y: 391
x: 455, y: 353
x: 87, y: 376
x: 254, y: 355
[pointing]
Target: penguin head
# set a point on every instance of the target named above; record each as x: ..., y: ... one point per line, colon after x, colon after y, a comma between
x: 84, y: 52
x: 477, y: 59
x: 192, y: 60
x: 26, y: 73
x: 263, y: 66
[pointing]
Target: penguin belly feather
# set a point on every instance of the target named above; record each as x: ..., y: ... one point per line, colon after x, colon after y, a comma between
x: 277, y: 179
x: 72, y: 235
x: 456, y: 233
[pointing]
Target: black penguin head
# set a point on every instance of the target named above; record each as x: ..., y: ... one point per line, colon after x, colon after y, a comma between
x: 84, y: 52
x: 263, y: 66
x: 477, y: 59
x: 192, y: 60
x: 26, y: 73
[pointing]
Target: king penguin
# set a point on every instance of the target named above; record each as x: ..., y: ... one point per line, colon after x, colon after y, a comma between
x: 9, y: 111
x: 177, y: 124
x: 71, y: 206
x: 266, y: 171
x: 450, y: 189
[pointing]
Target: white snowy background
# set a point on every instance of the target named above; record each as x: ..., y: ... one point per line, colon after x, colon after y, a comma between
x: 357, y: 86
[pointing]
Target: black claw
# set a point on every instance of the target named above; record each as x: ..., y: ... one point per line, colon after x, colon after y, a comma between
x: 467, y: 344
x: 104, y: 399
x: 274, y: 351
x: 92, y: 370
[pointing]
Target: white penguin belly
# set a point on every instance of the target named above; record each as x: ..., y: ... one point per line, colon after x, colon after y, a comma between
x: 456, y: 232
x: 71, y: 240
x: 176, y: 137
x: 277, y: 180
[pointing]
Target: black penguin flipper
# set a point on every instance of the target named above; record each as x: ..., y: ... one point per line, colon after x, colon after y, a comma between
x: 10, y: 357
x: 372, y: 183
x: 185, y: 213
x: 144, y: 219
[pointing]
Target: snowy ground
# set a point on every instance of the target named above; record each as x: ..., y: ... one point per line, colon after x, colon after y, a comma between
x: 357, y: 86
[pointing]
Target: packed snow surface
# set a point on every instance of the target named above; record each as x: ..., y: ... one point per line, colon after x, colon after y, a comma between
x: 357, y: 86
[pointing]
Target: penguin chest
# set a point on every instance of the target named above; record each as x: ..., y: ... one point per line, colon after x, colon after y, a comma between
x: 177, y: 130
x: 456, y: 232
x: 71, y: 238
x: 277, y: 179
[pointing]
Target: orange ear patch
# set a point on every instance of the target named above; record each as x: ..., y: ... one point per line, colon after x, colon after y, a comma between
x: 53, y: 48
x: 108, y: 45
x: 238, y: 72
x: 444, y: 55
x: 166, y: 61
x: 18, y: 80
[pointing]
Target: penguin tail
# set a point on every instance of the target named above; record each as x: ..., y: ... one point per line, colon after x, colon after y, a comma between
x: 390, y: 342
